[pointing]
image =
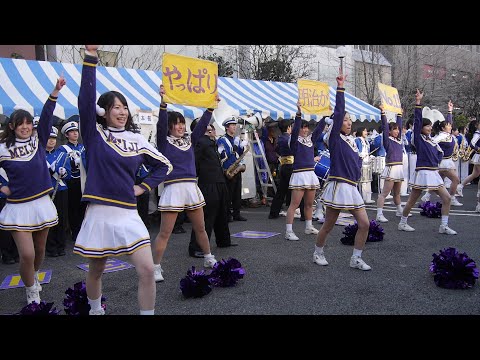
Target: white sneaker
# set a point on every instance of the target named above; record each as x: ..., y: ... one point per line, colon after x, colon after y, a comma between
x: 444, y: 229
x: 405, y: 227
x: 209, y: 262
x: 96, y: 312
x: 477, y: 209
x: 321, y: 220
x: 455, y: 202
x: 426, y: 197
x: 460, y: 190
x: 319, y: 259
x: 400, y: 214
x: 37, y: 282
x: 369, y: 202
x: 358, y: 263
x: 311, y: 230
x: 381, y: 218
x: 33, y: 296
x: 290, y: 235
x: 282, y: 213
x: 388, y: 197
x: 157, y: 272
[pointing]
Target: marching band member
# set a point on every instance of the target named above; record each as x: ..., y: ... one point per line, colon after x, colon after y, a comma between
x: 229, y: 148
x: 303, y: 182
x: 429, y: 155
x: 364, y: 151
x: 29, y: 212
x: 462, y: 162
x: 76, y: 152
x: 341, y: 190
x: 448, y: 144
x: 112, y: 225
x: 59, y: 168
x: 393, y: 171
x: 181, y: 191
x: 475, y: 145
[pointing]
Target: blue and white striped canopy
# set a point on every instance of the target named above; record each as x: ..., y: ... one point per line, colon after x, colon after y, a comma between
x: 28, y: 83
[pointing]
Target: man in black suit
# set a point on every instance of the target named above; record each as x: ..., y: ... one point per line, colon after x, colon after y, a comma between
x: 212, y: 183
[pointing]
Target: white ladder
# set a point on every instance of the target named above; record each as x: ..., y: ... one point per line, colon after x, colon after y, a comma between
x: 254, y: 139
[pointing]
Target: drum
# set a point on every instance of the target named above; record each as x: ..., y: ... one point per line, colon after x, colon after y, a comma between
x: 367, y: 173
x: 322, y: 167
x: 378, y: 164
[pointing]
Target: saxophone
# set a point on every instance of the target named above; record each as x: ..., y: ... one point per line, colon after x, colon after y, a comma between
x: 235, y: 168
x: 457, y: 152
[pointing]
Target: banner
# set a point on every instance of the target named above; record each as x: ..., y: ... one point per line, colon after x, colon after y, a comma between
x: 145, y: 117
x: 189, y: 81
x: 313, y: 96
x: 390, y: 98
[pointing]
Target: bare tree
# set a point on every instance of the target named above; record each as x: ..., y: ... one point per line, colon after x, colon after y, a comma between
x: 371, y: 69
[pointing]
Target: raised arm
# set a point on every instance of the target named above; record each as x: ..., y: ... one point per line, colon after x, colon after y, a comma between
x: 449, y: 118
x: 399, y: 123
x: 87, y: 94
x: 46, y: 117
x: 296, y: 129
x: 417, y: 125
x: 162, y: 123
x: 385, y: 127
x: 339, y: 111
x: 201, y: 127
x: 319, y: 129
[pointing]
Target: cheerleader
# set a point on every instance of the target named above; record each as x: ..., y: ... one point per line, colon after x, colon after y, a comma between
x: 393, y: 171
x: 112, y: 225
x: 29, y: 212
x: 426, y: 177
x: 448, y: 144
x: 475, y: 145
x: 303, y: 182
x: 341, y: 191
x: 181, y: 191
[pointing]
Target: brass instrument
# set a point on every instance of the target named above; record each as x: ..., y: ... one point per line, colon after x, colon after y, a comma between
x: 456, y: 152
x: 235, y: 168
x: 467, y: 153
x: 464, y: 151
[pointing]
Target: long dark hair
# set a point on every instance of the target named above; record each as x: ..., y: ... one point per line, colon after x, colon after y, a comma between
x: 17, y: 118
x: 359, y: 131
x: 174, y: 117
x: 439, y: 126
x: 107, y: 101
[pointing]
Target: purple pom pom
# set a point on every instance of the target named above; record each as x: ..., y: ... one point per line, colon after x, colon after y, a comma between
x: 226, y: 273
x: 195, y: 284
x: 431, y: 210
x: 375, y: 233
x: 76, y: 302
x: 41, y: 309
x: 453, y: 270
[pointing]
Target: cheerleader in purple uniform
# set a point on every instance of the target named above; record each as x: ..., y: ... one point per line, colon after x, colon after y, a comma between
x: 341, y: 192
x: 29, y: 211
x: 426, y: 177
x: 181, y: 191
x: 393, y: 171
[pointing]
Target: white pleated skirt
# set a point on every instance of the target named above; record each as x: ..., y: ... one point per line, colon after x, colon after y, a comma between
x: 340, y: 195
x: 110, y: 231
x: 181, y: 196
x: 393, y: 173
x: 29, y: 216
x: 426, y: 180
x: 475, y: 159
x: 447, y: 164
x: 306, y: 180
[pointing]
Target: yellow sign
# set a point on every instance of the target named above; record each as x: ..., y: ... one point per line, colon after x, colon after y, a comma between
x: 313, y: 96
x: 189, y: 81
x: 390, y: 98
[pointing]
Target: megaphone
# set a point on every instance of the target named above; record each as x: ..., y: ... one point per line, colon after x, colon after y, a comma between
x: 256, y: 120
x: 222, y: 113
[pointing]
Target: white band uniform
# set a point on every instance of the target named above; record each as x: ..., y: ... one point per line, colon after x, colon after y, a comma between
x: 341, y: 195
x: 181, y: 196
x: 110, y: 231
x: 393, y: 173
x: 426, y: 180
x: 29, y: 216
x: 306, y: 180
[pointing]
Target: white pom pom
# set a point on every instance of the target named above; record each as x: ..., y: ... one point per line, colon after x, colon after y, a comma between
x: 100, y: 110
x: 328, y: 121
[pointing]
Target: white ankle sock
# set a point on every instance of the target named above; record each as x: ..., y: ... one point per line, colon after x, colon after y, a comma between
x: 31, y: 288
x: 444, y: 219
x: 289, y: 228
x: 357, y: 252
x: 319, y: 249
x: 208, y: 256
x: 308, y: 224
x: 96, y: 304
x: 399, y: 208
x: 403, y: 219
x: 147, y: 312
x: 379, y: 211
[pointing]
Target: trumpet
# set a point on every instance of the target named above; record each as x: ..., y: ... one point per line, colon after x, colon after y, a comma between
x: 467, y: 153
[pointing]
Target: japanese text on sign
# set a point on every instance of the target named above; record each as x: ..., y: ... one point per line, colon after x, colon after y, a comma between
x: 390, y: 98
x: 145, y: 117
x: 313, y: 96
x: 189, y: 81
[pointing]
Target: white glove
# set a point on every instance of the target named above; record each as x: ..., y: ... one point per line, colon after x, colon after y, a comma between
x: 243, y: 144
x: 62, y: 172
x: 328, y: 121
